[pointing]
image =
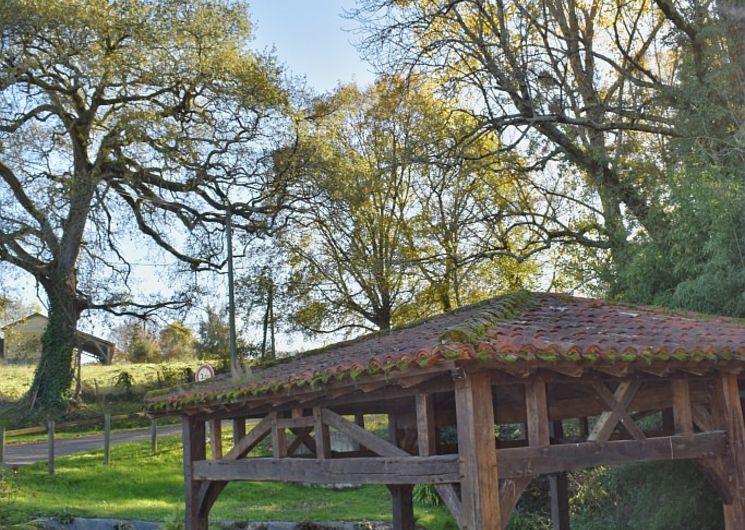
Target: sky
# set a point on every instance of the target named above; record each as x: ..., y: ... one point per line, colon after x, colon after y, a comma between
x: 311, y: 39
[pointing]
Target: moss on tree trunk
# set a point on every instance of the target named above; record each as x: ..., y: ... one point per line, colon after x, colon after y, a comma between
x: 51, y: 388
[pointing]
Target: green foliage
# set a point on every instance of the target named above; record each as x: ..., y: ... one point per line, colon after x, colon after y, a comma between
x: 6, y: 485
x: 50, y: 392
x: 426, y: 495
x: 660, y: 496
x: 698, y: 265
x: 125, y: 381
x: 142, y: 113
x: 139, y: 343
x: 408, y: 218
x: 213, y: 340
x: 176, y: 341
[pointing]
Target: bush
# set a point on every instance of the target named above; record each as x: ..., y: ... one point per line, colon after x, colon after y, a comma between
x: 125, y: 381
x: 426, y: 495
x: 6, y: 484
x: 660, y: 496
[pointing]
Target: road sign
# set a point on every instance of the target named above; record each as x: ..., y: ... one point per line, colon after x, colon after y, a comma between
x: 204, y: 372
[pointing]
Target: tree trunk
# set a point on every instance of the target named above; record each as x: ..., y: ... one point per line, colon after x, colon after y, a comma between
x: 50, y: 390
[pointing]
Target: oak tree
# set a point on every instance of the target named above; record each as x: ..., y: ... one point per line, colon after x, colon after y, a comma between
x: 126, y: 123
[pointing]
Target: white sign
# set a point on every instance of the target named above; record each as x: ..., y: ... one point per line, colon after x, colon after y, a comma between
x: 204, y: 372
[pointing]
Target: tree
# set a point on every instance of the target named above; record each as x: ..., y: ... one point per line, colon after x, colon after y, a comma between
x: 578, y: 83
x: 214, y: 338
x: 608, y: 97
x: 176, y: 341
x: 139, y: 344
x: 407, y: 211
x: 123, y: 120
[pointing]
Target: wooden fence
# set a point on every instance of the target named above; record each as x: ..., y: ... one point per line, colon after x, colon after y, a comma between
x: 51, y: 429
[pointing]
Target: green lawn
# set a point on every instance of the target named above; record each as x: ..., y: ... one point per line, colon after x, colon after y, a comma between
x: 138, y: 485
x: 98, y: 381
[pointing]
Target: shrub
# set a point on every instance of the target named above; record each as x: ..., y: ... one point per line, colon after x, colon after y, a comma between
x: 426, y: 495
x: 125, y: 381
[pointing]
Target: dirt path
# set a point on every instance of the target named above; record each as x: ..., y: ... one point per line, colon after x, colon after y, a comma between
x: 30, y: 453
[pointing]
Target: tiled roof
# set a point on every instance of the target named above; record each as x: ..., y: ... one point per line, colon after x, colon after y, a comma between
x: 538, y: 330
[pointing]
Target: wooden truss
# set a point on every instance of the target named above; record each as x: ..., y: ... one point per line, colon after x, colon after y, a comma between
x: 481, y: 478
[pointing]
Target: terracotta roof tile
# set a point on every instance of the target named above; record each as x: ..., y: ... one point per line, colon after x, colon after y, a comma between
x: 538, y: 329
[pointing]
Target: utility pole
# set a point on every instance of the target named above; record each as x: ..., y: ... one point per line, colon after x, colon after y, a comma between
x: 235, y: 367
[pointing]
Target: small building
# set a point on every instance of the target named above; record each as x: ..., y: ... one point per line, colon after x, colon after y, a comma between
x: 21, y: 341
x: 480, y: 402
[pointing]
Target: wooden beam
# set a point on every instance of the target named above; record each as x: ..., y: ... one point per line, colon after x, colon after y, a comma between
x: 279, y: 441
x: 510, y: 491
x: 401, y: 495
x: 703, y: 419
x: 729, y: 408
x: 216, y: 438
x: 426, y: 424
x: 302, y: 437
x: 210, y: 491
x: 618, y: 404
x: 477, y: 451
x: 295, y: 423
x: 365, y: 438
x: 323, y: 439
x: 239, y: 429
x: 682, y: 411
x: 403, y: 506
x: 530, y: 461
x: 559, y: 491
x: 427, y: 442
x: 195, y: 449
x: 252, y: 439
x: 537, y: 423
x: 365, y: 470
x: 536, y: 406
x: 558, y: 485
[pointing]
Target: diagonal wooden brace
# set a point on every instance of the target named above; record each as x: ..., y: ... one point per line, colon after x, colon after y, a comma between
x: 618, y: 404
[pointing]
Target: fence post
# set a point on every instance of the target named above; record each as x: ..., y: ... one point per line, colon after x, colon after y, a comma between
x: 106, y: 439
x: 154, y: 435
x: 2, y: 445
x: 50, y: 443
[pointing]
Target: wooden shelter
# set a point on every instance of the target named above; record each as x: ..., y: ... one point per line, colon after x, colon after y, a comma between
x: 22, y: 341
x: 583, y: 382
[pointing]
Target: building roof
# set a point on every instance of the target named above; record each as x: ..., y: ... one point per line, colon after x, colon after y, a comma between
x: 96, y: 346
x: 21, y: 320
x: 515, y: 331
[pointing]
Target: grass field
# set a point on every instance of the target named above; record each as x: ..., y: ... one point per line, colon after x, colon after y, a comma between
x: 98, y: 381
x: 138, y: 485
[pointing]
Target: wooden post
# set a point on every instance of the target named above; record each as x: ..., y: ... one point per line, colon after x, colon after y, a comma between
x: 559, y: 488
x: 321, y: 431
x: 279, y: 441
x: 2, y: 445
x: 403, y: 506
x: 425, y: 420
x: 536, y: 407
x: 401, y: 495
x: 239, y: 429
x: 682, y: 411
x: 154, y: 436
x: 216, y: 439
x: 476, y: 447
x: 729, y: 409
x: 195, y: 448
x: 50, y: 448
x: 106, y: 439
